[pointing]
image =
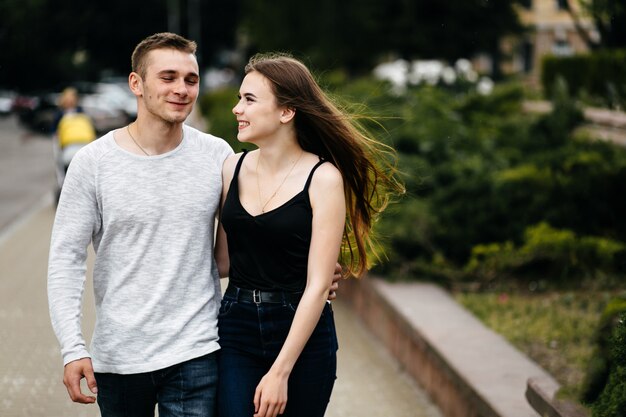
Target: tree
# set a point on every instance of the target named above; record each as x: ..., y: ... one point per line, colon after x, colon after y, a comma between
x: 45, y: 43
x: 355, y: 34
x: 609, y: 17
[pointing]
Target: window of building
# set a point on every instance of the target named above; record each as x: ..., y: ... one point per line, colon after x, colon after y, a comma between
x: 562, y: 47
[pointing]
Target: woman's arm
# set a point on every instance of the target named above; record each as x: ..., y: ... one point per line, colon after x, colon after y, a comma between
x: 329, y: 212
x: 221, y: 243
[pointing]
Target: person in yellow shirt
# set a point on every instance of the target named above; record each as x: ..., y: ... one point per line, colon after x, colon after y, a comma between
x: 73, y: 129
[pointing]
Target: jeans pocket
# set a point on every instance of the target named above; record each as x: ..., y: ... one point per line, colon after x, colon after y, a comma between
x: 225, y: 307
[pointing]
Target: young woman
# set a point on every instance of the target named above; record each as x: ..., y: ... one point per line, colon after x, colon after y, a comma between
x: 314, y: 182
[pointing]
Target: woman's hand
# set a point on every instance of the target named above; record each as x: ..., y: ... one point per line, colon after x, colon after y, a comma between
x: 270, y: 397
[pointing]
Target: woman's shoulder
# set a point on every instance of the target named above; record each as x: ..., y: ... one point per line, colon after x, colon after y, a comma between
x: 328, y: 172
x: 231, y: 162
x: 326, y: 176
x: 234, y: 158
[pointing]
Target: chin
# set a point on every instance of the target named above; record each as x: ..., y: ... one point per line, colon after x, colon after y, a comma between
x: 178, y: 118
x: 242, y: 138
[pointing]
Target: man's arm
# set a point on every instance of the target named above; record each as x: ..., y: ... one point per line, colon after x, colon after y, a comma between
x: 77, y: 220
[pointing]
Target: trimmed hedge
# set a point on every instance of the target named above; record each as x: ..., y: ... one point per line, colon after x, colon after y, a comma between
x: 601, y: 75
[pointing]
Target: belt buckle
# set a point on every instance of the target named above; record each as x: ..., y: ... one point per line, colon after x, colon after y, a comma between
x: 256, y: 296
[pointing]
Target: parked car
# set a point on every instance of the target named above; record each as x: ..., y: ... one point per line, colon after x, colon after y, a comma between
x: 36, y: 111
x: 6, y: 102
x: 116, y: 91
x: 120, y: 95
x: 104, y: 112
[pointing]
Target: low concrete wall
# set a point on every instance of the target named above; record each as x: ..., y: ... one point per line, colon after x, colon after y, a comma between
x: 467, y: 369
x: 541, y: 393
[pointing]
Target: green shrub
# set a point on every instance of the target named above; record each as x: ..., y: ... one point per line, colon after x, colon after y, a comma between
x: 217, y: 107
x: 612, y: 400
x: 478, y: 171
x: 559, y: 253
x: 599, y: 364
x: 554, y: 129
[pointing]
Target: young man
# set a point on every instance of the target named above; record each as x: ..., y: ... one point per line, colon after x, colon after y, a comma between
x: 146, y: 197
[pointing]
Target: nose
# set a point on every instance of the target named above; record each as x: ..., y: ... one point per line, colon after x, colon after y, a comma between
x: 237, y: 109
x: 181, y: 87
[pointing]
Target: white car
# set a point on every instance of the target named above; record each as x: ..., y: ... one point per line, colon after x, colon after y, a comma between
x: 6, y: 102
x: 104, y: 112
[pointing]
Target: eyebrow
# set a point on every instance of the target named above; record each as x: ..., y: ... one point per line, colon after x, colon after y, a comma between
x: 172, y: 72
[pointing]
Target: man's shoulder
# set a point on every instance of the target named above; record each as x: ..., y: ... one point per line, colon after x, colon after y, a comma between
x: 97, y: 148
x: 206, y: 139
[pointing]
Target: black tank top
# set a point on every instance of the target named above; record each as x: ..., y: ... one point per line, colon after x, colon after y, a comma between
x: 269, y: 251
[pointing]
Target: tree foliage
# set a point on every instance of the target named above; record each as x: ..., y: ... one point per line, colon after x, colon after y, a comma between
x: 46, y: 42
x: 493, y: 193
x: 610, y: 19
x: 356, y: 33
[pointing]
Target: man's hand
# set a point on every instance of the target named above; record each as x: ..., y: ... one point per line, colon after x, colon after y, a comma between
x: 73, y: 373
x: 332, y: 294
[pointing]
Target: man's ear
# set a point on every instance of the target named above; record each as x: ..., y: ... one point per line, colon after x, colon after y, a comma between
x: 287, y: 114
x: 135, y: 83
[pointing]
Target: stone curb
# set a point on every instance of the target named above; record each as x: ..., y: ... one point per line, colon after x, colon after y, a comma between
x: 467, y: 369
x: 540, y: 393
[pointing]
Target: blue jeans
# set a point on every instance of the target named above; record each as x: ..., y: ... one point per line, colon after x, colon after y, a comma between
x: 251, y: 336
x: 187, y: 389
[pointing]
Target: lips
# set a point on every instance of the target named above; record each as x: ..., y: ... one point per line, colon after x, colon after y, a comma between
x: 241, y: 124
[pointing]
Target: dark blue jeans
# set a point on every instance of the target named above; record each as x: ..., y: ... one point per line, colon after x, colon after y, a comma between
x: 187, y: 389
x: 251, y: 336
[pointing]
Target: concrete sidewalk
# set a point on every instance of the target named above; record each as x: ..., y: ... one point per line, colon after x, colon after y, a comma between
x: 370, y: 383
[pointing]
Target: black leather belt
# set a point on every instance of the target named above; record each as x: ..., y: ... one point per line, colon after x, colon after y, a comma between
x: 258, y: 296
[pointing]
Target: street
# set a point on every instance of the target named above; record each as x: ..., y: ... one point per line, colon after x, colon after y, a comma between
x: 369, y: 382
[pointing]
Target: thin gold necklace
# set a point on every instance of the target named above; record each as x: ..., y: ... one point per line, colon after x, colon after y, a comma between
x: 136, y: 143
x: 281, y: 184
x: 141, y: 147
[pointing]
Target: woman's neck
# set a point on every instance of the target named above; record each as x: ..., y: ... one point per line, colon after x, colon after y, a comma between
x: 279, y: 154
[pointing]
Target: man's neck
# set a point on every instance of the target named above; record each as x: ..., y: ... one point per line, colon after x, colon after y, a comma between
x: 150, y: 138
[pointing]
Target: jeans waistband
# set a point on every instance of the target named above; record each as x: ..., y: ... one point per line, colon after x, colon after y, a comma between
x: 258, y: 296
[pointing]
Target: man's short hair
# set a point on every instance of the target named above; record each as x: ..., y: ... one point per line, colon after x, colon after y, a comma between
x: 163, y: 40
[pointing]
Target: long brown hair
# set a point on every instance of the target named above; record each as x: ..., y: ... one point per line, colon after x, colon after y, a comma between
x: 366, y: 165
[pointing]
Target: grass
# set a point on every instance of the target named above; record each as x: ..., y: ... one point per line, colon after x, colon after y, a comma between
x: 555, y: 329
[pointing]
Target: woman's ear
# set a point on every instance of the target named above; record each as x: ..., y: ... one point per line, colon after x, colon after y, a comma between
x: 287, y: 114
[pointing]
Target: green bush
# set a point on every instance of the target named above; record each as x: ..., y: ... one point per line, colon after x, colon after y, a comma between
x: 610, y: 374
x: 478, y: 170
x: 216, y: 106
x: 554, y: 129
x: 559, y: 253
x: 599, y: 365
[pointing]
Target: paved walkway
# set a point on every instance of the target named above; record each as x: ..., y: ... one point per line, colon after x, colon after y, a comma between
x: 370, y: 383
x: 26, y: 170
x: 369, y: 380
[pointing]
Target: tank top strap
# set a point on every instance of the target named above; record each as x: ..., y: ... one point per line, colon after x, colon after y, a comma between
x: 237, y: 169
x: 308, y: 180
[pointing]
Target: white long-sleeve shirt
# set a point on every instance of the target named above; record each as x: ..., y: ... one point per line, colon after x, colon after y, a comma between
x: 151, y: 222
